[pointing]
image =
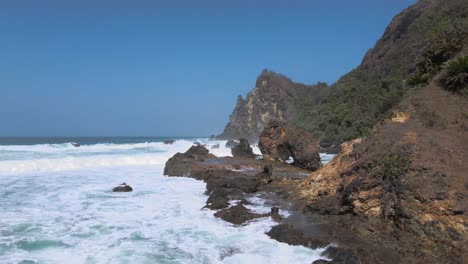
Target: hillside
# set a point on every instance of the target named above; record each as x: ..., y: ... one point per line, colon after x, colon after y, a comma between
x: 422, y: 36
x: 404, y: 187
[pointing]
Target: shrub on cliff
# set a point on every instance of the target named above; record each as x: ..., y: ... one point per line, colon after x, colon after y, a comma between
x: 455, y: 77
x: 417, y: 79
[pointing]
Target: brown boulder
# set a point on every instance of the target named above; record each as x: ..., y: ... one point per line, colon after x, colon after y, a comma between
x: 243, y: 149
x: 279, y: 143
x: 181, y: 163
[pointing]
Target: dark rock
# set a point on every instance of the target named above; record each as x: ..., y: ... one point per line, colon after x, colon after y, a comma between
x: 243, y: 149
x: 122, y: 188
x: 181, y: 163
x: 231, y: 143
x: 216, y: 146
x: 245, y: 183
x: 321, y: 261
x: 265, y: 175
x: 286, y: 233
x: 237, y: 214
x: 169, y: 141
x: 275, y: 214
x: 219, y: 198
x: 76, y: 145
x: 278, y: 143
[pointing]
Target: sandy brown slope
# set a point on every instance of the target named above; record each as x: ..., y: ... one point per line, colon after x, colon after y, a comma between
x: 405, y: 186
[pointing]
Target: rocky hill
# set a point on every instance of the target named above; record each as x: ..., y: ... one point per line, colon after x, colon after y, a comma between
x: 274, y: 97
x: 424, y: 34
x: 404, y: 187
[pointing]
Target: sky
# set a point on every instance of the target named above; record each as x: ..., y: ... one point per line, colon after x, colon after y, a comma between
x: 166, y: 68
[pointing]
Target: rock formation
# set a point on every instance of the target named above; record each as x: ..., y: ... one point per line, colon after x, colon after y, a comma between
x: 278, y: 142
x: 406, y: 181
x: 122, y: 188
x: 274, y: 97
x: 243, y: 149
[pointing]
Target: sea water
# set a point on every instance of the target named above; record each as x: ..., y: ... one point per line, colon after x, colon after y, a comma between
x: 56, y: 206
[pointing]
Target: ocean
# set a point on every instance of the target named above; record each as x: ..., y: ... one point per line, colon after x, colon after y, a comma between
x: 57, y: 207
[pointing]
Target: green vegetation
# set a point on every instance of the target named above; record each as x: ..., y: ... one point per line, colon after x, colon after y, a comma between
x: 417, y: 79
x: 361, y: 98
x: 455, y: 77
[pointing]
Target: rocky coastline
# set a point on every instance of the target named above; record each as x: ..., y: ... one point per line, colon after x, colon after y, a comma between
x: 355, y: 217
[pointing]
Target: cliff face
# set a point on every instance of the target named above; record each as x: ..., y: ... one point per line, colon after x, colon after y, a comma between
x: 358, y: 100
x: 274, y: 97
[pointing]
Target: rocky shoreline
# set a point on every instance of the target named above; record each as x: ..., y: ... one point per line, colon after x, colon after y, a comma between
x: 361, y: 206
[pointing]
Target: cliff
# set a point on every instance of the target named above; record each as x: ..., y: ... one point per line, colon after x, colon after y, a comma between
x: 274, y: 97
x: 358, y: 100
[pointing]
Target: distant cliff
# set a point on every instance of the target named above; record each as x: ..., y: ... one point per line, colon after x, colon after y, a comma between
x: 273, y: 97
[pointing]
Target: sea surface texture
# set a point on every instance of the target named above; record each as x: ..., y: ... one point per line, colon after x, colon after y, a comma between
x: 57, y: 207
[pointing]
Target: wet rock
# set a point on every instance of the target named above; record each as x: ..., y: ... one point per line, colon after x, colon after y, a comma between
x: 286, y: 233
x: 231, y: 143
x: 219, y: 198
x: 275, y: 214
x: 216, y: 146
x: 237, y: 214
x: 122, y: 188
x: 279, y: 142
x: 181, y: 163
x: 169, y: 141
x: 321, y: 261
x: 243, y: 149
x: 245, y: 183
x: 76, y: 145
x: 265, y: 175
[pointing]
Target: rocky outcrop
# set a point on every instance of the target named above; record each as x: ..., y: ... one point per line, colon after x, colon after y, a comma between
x: 274, y: 97
x: 122, y: 188
x: 278, y: 142
x: 181, y: 163
x: 405, y: 184
x: 243, y: 149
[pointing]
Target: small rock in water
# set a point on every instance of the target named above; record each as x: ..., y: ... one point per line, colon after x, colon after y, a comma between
x: 169, y: 141
x: 122, y: 188
x: 215, y: 146
x: 76, y: 145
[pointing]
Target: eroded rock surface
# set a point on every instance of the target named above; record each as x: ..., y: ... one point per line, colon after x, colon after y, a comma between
x: 278, y: 143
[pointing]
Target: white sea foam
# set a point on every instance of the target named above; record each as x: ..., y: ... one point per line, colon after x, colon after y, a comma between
x: 59, y: 209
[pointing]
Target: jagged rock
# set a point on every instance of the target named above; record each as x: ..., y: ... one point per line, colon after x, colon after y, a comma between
x: 219, y: 198
x: 169, y: 141
x: 237, y: 214
x: 286, y: 233
x: 243, y: 149
x: 231, y: 143
x: 278, y: 143
x: 216, y: 146
x: 122, y: 188
x: 274, y: 97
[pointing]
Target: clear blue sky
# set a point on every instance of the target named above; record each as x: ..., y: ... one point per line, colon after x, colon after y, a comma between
x: 130, y: 68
